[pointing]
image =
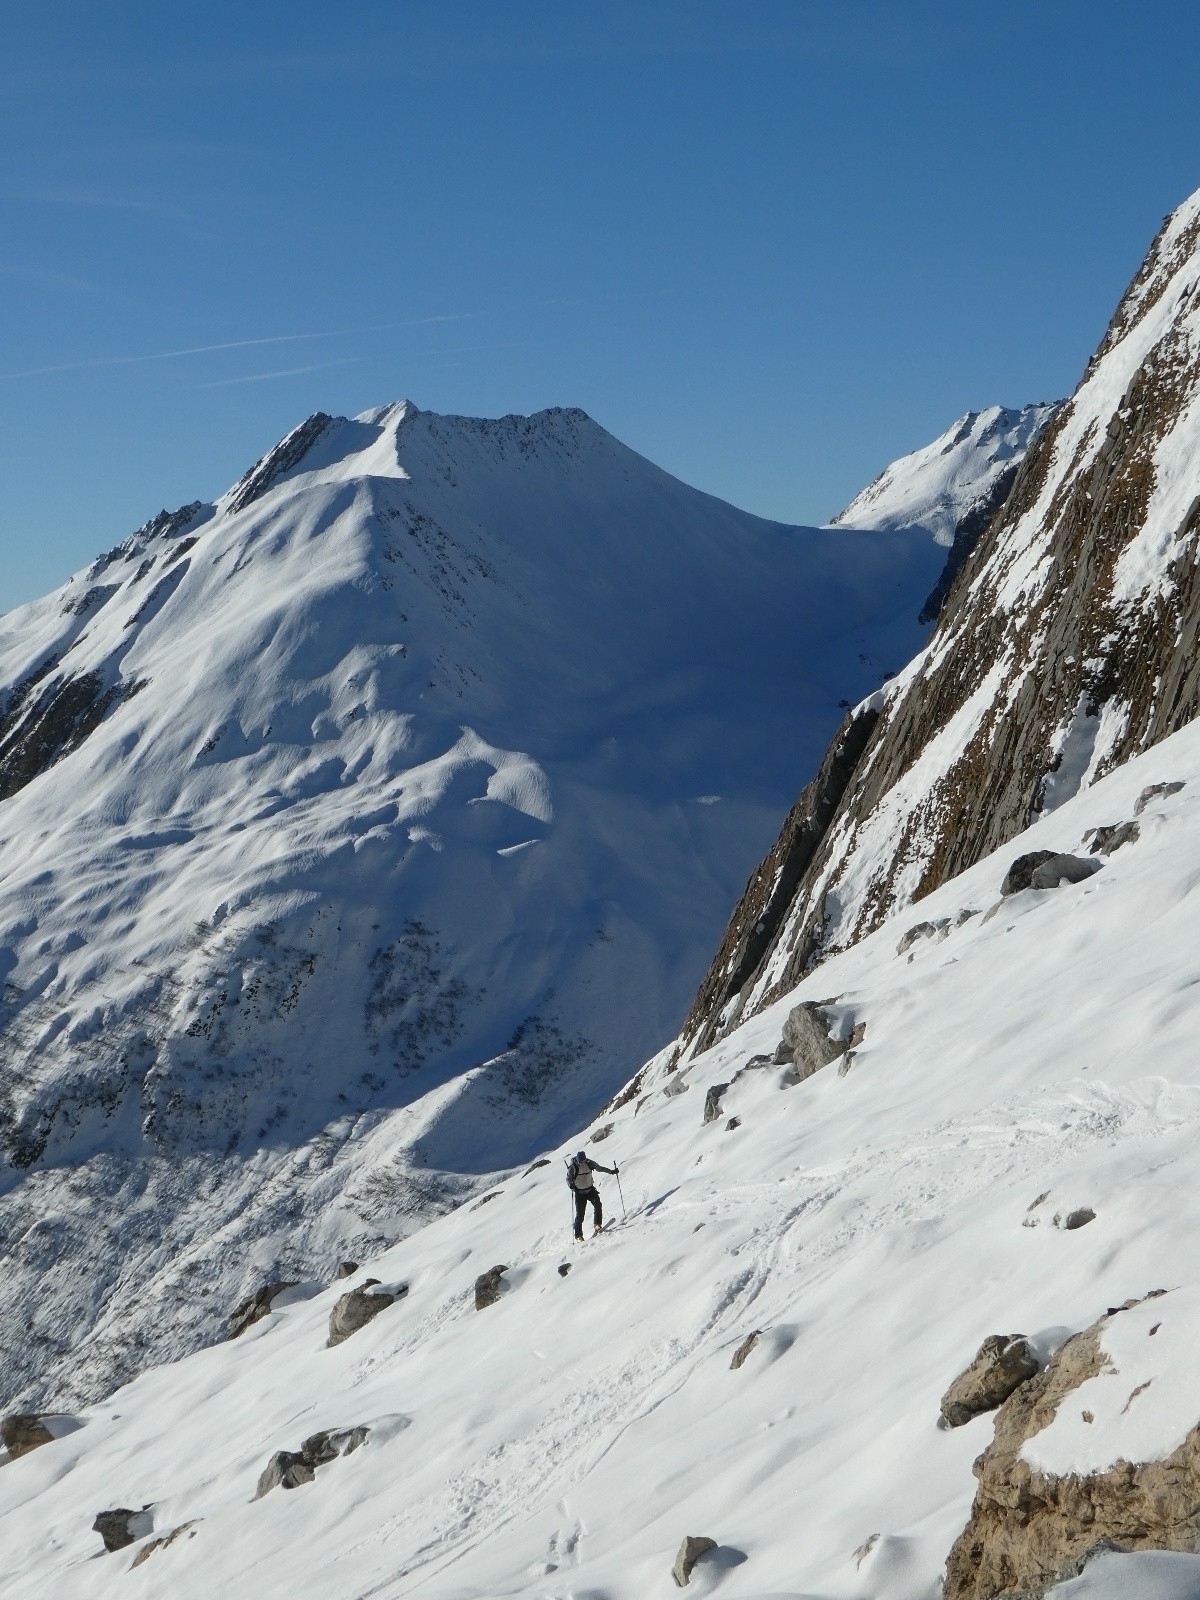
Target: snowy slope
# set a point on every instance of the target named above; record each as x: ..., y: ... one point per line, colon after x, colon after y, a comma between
x: 941, y: 484
x: 875, y: 1226
x: 359, y: 833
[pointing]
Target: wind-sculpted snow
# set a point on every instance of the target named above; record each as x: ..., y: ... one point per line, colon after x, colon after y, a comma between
x: 362, y: 831
x: 1031, y: 1059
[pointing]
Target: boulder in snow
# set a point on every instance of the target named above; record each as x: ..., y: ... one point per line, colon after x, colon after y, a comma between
x: 1155, y: 791
x: 1004, y: 1361
x: 354, y: 1310
x: 1046, y: 869
x: 122, y: 1526
x: 690, y: 1551
x: 1020, y: 874
x: 1078, y: 1218
x: 288, y: 1469
x: 806, y: 1043
x: 23, y: 1432
x: 346, y: 1269
x: 255, y: 1308
x: 487, y: 1287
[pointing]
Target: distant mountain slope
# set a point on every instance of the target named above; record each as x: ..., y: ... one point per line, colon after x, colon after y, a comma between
x: 1068, y: 644
x: 953, y: 487
x: 936, y: 486
x: 360, y: 833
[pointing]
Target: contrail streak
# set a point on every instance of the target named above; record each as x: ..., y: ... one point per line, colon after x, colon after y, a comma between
x: 231, y: 344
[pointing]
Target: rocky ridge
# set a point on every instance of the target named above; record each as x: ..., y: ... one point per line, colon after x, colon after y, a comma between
x: 1069, y: 643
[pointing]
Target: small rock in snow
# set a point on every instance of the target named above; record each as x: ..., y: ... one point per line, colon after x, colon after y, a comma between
x: 1154, y: 791
x: 744, y: 1349
x: 256, y: 1308
x: 23, y: 1432
x: 923, y: 930
x: 287, y: 1469
x: 1079, y: 1218
x: 542, y: 1161
x: 346, y: 1269
x: 677, y: 1085
x: 494, y: 1194
x: 712, y: 1101
x: 1003, y: 1362
x: 563, y: 1268
x: 1107, y: 839
x: 601, y: 1133
x: 487, y: 1287
x: 734, y: 1122
x: 690, y: 1551
x: 163, y: 1540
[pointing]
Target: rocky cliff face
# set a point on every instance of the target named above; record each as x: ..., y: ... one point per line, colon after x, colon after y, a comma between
x: 1068, y: 643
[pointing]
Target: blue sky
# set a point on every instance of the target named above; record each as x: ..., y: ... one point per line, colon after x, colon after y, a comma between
x: 771, y: 246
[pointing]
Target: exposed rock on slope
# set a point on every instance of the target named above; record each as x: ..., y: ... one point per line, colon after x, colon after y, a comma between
x: 1030, y: 1526
x: 1070, y: 642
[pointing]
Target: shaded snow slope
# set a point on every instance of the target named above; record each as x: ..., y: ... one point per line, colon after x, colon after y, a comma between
x: 874, y: 1226
x: 360, y: 832
x: 937, y: 486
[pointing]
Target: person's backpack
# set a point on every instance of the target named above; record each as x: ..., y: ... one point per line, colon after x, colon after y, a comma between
x: 579, y: 1172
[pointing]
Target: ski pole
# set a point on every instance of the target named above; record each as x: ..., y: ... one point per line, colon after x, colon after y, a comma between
x: 621, y: 1192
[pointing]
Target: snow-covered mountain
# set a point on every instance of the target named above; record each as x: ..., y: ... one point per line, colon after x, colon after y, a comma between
x: 936, y: 487
x: 1067, y: 645
x: 361, y: 832
x: 1012, y: 1147
x: 953, y: 487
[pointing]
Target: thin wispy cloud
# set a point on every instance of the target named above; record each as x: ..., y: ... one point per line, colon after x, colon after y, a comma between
x: 94, y: 362
x: 283, y: 372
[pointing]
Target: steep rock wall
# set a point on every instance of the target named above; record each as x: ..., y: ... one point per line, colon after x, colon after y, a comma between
x: 1067, y: 644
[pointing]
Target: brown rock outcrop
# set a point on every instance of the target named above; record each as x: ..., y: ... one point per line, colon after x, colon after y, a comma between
x: 1002, y: 1362
x: 1028, y: 1529
x: 23, y: 1432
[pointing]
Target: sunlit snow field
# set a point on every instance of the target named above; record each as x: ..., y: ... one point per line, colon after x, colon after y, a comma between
x: 875, y: 1226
